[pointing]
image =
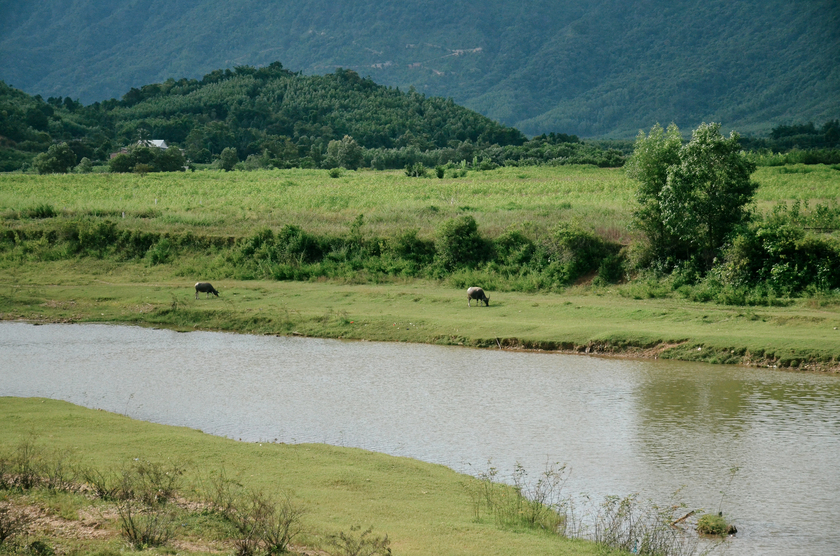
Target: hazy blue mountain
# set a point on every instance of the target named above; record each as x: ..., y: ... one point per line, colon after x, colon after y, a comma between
x: 588, y: 67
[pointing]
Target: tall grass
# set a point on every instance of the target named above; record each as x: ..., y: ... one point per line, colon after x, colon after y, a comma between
x: 627, y: 523
x: 236, y: 202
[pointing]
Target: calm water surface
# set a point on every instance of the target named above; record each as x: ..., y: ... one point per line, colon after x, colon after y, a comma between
x: 621, y: 426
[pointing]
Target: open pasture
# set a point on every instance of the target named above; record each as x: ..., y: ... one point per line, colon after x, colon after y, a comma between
x: 235, y: 203
x: 534, y: 199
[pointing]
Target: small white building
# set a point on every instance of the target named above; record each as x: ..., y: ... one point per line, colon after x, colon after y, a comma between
x: 157, y: 143
x: 150, y: 143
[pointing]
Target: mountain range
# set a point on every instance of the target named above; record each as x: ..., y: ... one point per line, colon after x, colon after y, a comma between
x: 594, y: 68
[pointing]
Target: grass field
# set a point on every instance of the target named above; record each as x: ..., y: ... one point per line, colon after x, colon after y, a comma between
x: 235, y: 202
x: 627, y: 318
x: 423, y: 508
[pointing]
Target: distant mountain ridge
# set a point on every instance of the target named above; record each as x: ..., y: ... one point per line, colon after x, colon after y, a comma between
x: 588, y: 67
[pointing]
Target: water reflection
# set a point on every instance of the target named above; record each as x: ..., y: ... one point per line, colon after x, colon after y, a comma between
x: 622, y: 426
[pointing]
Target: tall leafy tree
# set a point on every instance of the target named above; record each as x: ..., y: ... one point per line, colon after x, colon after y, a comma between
x: 653, y: 155
x: 58, y: 159
x: 707, y: 193
x: 228, y: 159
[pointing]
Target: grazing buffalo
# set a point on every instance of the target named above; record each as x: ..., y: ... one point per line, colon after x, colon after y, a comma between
x: 205, y: 287
x: 478, y: 294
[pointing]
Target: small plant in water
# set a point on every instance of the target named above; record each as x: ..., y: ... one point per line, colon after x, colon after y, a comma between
x: 715, y: 525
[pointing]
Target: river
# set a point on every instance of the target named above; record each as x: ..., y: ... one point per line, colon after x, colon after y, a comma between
x: 621, y: 426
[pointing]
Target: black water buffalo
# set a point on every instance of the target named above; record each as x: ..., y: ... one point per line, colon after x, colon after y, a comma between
x: 205, y: 287
x: 478, y: 294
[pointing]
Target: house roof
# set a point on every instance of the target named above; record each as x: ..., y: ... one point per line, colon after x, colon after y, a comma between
x: 159, y: 143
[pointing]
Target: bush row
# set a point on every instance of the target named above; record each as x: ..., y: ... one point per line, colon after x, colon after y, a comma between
x: 292, y: 253
x: 784, y: 254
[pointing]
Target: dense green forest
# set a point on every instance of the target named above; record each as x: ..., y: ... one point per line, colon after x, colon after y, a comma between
x: 271, y: 117
x: 594, y: 68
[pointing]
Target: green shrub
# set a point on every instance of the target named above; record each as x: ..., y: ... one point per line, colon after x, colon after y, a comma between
x: 85, y: 166
x: 407, y: 246
x: 459, y: 244
x: 142, y: 168
x: 121, y: 164
x: 781, y: 255
x: 514, y: 249
x: 95, y: 238
x: 228, y: 159
x: 581, y: 251
x: 416, y: 170
x: 611, y: 269
x: 160, y: 252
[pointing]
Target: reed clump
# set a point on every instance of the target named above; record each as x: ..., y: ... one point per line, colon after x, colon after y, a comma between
x: 627, y: 524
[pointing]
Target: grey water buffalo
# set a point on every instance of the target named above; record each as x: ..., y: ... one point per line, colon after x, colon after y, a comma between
x: 205, y: 287
x: 477, y: 294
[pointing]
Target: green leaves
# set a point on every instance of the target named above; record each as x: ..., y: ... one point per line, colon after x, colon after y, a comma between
x: 58, y: 159
x: 691, y: 197
x: 706, y: 194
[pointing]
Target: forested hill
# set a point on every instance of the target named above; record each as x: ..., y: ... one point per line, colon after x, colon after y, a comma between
x: 585, y: 67
x: 252, y: 110
x: 275, y: 101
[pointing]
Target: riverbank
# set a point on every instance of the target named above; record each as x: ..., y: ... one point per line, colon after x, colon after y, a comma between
x: 423, y: 508
x: 128, y: 248
x: 587, y: 319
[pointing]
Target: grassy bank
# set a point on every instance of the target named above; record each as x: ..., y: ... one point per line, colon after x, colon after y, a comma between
x: 127, y: 249
x: 423, y: 508
x: 611, y: 320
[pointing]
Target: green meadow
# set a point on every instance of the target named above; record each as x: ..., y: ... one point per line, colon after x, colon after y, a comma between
x: 637, y: 317
x: 236, y: 203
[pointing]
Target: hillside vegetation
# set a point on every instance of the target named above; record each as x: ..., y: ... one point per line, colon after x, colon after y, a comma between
x: 588, y: 68
x: 279, y: 119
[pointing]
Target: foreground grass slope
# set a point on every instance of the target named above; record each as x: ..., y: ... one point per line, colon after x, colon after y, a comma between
x: 423, y: 508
